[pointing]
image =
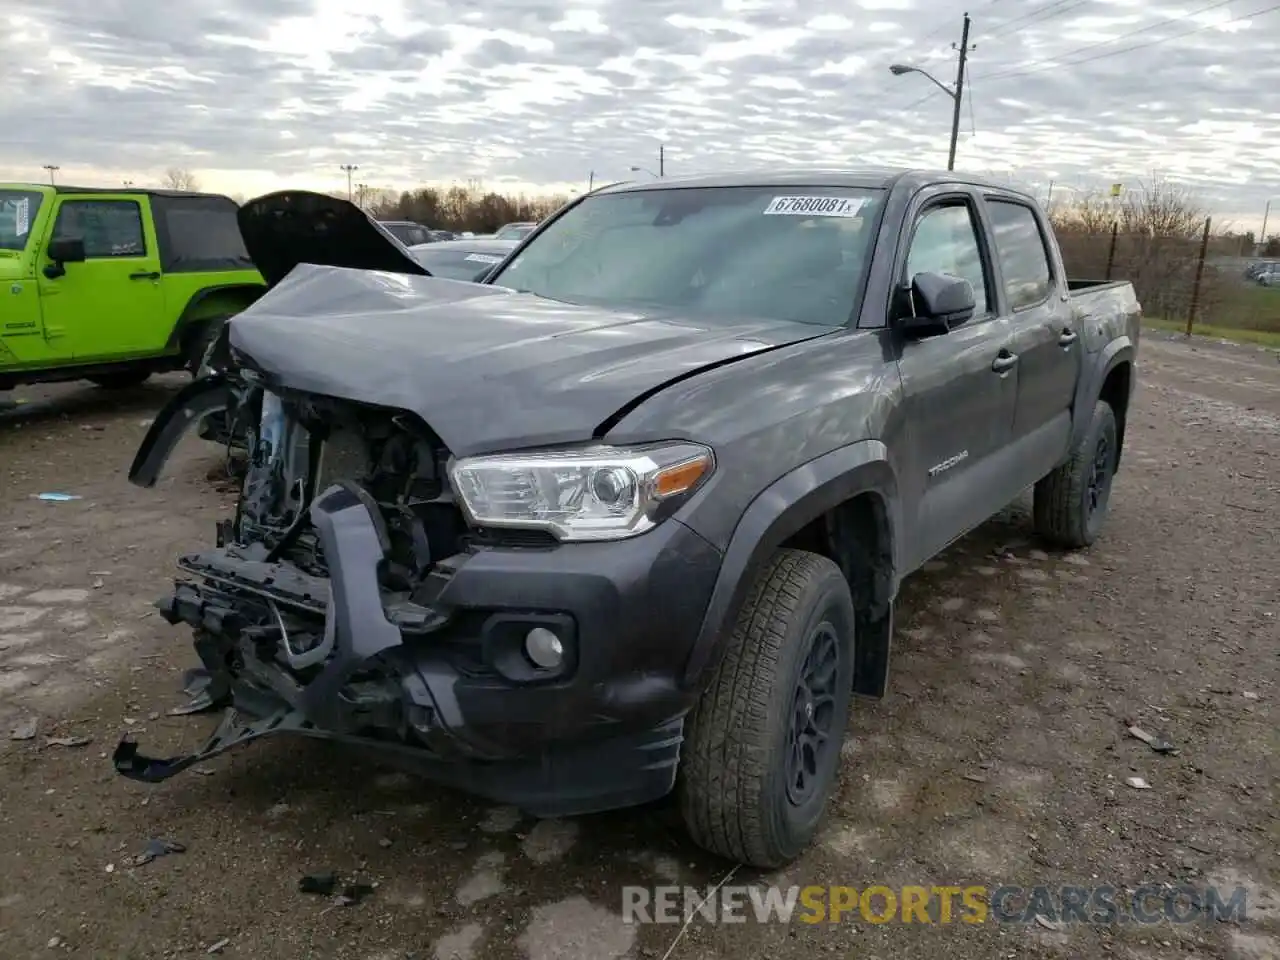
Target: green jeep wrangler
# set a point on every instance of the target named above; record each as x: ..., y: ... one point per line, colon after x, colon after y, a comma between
x: 112, y: 286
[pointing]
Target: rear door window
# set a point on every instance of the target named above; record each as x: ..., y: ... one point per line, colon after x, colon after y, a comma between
x: 1024, y: 259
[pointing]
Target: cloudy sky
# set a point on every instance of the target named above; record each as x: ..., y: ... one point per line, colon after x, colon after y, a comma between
x: 258, y: 94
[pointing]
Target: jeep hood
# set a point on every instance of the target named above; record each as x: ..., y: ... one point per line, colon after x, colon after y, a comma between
x: 485, y: 367
x: 282, y: 230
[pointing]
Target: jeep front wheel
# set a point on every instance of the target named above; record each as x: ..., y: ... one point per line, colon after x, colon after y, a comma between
x: 762, y: 746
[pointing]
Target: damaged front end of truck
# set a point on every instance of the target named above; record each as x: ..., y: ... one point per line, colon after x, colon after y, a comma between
x: 342, y: 529
x: 354, y: 596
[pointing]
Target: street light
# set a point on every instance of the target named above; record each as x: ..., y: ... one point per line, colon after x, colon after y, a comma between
x: 350, y: 168
x: 52, y: 168
x: 956, y: 93
x: 644, y: 170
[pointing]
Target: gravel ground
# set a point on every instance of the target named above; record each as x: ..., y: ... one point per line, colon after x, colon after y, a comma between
x: 1000, y: 757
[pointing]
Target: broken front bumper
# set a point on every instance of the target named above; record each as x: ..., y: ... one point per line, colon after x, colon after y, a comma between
x: 439, y: 687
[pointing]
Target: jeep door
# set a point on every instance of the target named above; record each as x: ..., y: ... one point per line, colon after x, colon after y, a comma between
x: 959, y: 388
x: 110, y: 306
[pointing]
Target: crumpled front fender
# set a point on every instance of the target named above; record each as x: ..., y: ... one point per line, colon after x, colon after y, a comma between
x: 189, y: 406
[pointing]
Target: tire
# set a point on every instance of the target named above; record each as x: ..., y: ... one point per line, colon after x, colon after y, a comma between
x: 1070, y: 504
x: 121, y: 381
x: 736, y: 795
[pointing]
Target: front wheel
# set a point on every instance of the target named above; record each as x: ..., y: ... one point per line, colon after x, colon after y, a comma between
x: 763, y: 742
x: 1070, y: 504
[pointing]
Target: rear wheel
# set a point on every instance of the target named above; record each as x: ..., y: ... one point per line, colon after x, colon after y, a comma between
x: 763, y: 743
x: 121, y: 381
x: 1071, y: 503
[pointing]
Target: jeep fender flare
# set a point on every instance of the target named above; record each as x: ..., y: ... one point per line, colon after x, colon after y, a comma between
x: 1118, y: 351
x: 193, y: 315
x: 784, y: 508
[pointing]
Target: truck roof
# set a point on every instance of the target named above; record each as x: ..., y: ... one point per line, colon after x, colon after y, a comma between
x: 865, y: 177
x: 148, y: 191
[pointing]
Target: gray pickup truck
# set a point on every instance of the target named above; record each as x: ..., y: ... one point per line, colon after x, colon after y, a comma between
x: 628, y: 515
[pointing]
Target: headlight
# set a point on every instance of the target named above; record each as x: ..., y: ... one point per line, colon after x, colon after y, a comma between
x: 596, y: 493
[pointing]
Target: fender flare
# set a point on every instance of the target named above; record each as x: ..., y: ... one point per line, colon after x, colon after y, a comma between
x: 783, y: 509
x: 1118, y: 351
x: 187, y: 318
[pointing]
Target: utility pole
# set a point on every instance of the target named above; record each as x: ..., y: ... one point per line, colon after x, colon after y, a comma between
x: 349, y: 169
x: 959, y: 97
x: 662, y: 160
x: 53, y: 168
x: 956, y: 93
x: 591, y: 182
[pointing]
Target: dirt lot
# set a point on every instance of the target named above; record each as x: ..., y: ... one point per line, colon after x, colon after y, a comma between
x: 1000, y: 757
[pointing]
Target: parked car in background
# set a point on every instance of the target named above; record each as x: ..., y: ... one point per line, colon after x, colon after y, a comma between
x: 631, y: 515
x: 1268, y: 275
x: 462, y: 259
x: 113, y: 285
x: 515, y: 231
x: 438, y: 235
x: 407, y: 232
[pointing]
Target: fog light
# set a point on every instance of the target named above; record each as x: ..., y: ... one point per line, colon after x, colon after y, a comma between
x: 544, y: 648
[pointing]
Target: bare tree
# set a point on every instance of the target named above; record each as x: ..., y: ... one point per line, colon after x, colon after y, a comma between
x: 1161, y: 208
x: 1088, y: 213
x: 175, y: 178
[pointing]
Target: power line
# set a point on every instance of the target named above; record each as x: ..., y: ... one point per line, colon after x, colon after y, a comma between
x: 1057, y: 62
x: 1124, y: 36
x: 1039, y: 15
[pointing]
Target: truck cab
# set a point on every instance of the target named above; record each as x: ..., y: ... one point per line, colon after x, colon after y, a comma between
x: 115, y: 285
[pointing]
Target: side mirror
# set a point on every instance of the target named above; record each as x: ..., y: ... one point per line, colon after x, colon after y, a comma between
x: 942, y: 302
x: 67, y: 250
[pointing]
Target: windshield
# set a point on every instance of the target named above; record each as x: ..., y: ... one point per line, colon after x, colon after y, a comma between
x: 515, y: 231
x: 455, y: 264
x: 17, y: 214
x: 774, y: 253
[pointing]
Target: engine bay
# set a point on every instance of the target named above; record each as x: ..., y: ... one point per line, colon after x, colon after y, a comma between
x: 301, y: 445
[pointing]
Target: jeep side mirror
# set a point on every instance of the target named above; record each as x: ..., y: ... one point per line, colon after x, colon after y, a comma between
x: 67, y: 250
x: 942, y: 302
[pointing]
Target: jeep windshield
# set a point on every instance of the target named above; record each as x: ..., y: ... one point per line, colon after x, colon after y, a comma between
x: 795, y: 254
x: 17, y: 214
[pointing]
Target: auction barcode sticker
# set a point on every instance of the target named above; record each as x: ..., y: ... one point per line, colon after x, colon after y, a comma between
x: 814, y: 207
x: 482, y: 258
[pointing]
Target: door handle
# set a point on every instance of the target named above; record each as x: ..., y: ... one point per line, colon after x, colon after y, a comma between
x: 1068, y: 338
x: 154, y: 275
x: 1004, y: 362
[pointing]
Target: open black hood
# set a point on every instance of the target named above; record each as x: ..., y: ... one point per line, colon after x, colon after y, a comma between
x: 284, y: 229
